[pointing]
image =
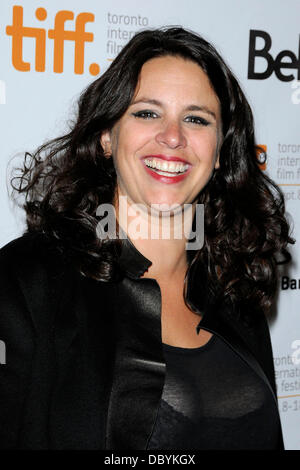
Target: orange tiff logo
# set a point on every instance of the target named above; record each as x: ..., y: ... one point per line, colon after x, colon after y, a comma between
x: 59, y: 35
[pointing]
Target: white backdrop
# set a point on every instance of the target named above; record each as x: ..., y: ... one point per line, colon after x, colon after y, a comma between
x: 37, y: 97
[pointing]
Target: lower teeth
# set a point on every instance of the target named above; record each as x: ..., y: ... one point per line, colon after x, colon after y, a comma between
x: 166, y: 173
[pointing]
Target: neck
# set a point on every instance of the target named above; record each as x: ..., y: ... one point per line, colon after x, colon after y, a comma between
x: 161, y: 238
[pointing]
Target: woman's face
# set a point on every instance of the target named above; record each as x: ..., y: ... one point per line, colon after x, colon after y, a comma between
x: 166, y: 145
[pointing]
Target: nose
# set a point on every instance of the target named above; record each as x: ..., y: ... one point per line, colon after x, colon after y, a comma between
x: 171, y: 135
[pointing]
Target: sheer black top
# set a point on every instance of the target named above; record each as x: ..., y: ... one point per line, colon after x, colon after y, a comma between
x: 212, y: 399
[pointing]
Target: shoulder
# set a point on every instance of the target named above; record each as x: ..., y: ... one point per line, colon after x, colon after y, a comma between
x: 33, y: 277
x: 33, y: 256
x: 37, y: 280
x: 19, y: 260
x: 30, y: 247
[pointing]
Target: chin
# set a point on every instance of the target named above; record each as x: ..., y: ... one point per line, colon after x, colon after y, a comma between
x: 167, y: 206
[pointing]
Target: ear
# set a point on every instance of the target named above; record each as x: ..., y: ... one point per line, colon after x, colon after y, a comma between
x: 105, y: 141
x: 217, y: 164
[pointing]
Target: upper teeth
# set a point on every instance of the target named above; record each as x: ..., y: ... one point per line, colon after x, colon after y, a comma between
x: 171, y: 167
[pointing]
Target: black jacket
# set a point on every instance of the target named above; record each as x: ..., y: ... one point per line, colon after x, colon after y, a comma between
x: 84, y: 360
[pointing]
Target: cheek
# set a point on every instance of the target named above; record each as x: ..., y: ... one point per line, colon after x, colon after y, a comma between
x: 135, y: 134
x: 205, y: 147
x: 125, y: 142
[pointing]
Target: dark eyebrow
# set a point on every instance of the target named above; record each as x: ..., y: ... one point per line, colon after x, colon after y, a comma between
x: 192, y: 107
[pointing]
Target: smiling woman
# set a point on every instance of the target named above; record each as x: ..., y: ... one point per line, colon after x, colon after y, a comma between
x: 144, y: 343
x: 174, y: 117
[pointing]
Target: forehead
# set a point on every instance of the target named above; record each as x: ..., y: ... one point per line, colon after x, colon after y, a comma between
x: 172, y: 75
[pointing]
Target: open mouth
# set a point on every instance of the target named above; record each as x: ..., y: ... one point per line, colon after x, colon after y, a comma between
x: 165, y: 168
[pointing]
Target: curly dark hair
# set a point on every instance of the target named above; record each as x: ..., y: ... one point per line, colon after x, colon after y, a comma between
x: 66, y: 179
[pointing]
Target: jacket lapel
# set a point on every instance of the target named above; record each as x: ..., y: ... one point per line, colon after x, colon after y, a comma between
x: 224, y: 320
x: 220, y: 323
x: 244, y: 341
x: 139, y: 366
x: 139, y: 370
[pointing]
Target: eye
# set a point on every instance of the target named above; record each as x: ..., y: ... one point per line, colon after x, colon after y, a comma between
x: 145, y: 114
x: 197, y: 120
